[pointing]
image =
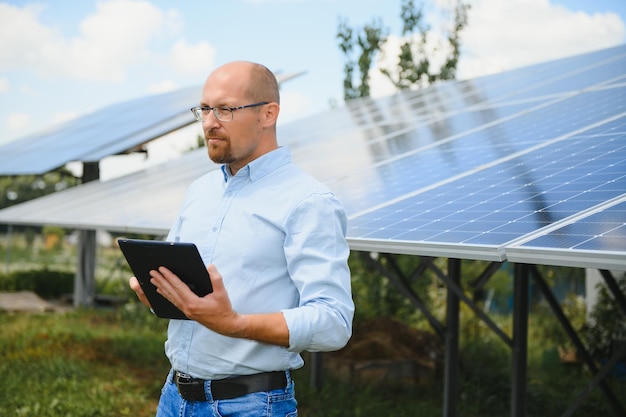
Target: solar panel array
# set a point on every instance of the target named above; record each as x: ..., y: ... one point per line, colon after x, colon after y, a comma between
x: 523, y: 165
x: 465, y: 169
x: 112, y: 130
x: 109, y: 131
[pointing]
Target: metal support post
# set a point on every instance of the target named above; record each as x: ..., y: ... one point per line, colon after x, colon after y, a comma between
x: 85, y: 278
x: 316, y: 379
x: 451, y: 379
x: 520, y: 341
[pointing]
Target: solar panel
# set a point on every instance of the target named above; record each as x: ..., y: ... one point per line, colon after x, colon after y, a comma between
x: 112, y: 130
x: 506, y: 201
x: 459, y: 169
x: 108, y: 131
x: 492, y: 173
x: 595, y: 239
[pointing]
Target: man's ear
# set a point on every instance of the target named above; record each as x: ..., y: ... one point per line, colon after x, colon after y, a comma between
x: 271, y: 113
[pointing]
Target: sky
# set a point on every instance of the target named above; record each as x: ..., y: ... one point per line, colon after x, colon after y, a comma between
x: 60, y: 59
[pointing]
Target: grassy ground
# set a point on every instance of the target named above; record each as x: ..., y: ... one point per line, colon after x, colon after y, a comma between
x: 89, y: 363
x: 82, y: 363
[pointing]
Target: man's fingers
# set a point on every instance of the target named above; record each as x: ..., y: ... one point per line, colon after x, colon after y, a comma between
x: 216, y: 278
x: 134, y: 285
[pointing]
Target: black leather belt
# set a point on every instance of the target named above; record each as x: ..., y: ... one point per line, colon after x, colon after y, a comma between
x: 192, y: 389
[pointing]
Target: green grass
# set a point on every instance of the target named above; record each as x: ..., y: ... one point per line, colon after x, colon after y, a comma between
x: 111, y: 363
x: 82, y: 363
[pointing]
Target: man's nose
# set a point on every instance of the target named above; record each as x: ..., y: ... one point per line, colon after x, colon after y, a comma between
x: 210, y: 120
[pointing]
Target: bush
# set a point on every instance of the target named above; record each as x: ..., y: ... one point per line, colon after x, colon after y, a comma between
x: 44, y: 282
x: 606, y: 323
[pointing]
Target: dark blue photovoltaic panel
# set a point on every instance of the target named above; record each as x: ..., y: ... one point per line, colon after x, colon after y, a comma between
x: 509, y: 200
x: 111, y: 130
x: 108, y: 131
x: 564, y: 75
x: 388, y: 171
x: 602, y: 231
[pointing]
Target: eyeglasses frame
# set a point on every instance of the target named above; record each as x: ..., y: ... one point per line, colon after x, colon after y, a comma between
x: 230, y: 109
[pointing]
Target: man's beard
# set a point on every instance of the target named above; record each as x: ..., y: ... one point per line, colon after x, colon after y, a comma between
x: 221, y: 155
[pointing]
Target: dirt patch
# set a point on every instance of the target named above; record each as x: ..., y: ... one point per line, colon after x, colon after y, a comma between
x: 386, y: 350
x: 26, y: 301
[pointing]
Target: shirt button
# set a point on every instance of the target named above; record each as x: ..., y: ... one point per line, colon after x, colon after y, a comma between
x: 215, y: 229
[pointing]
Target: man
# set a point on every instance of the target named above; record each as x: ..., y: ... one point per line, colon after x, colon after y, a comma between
x: 274, y: 242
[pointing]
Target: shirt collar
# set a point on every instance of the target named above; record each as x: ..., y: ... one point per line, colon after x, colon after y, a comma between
x: 261, y: 166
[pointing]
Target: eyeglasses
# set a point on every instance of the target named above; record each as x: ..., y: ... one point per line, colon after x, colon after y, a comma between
x: 222, y: 113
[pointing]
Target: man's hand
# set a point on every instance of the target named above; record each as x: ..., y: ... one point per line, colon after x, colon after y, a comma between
x: 215, y: 311
x: 134, y: 285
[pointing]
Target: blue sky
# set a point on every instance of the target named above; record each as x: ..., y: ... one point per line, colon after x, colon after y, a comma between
x: 64, y: 58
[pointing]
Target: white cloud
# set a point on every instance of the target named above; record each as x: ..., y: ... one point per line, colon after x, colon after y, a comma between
x: 502, y: 35
x: 64, y: 117
x: 162, y: 87
x: 4, y: 85
x: 21, y: 36
x: 115, y: 37
x: 437, y: 49
x: 192, y: 60
x: 17, y: 121
x: 293, y: 105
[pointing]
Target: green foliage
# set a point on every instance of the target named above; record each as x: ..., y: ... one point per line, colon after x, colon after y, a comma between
x: 84, y: 363
x: 607, y: 322
x: 376, y: 296
x: 485, y: 376
x: 369, y: 42
x: 414, y: 69
x: 44, y: 282
x: 552, y: 332
x: 339, y: 399
x: 119, y: 356
x: 112, y: 363
x: 20, y: 188
x: 53, y: 230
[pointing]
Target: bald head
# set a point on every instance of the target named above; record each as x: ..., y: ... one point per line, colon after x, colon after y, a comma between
x: 248, y: 94
x: 256, y: 80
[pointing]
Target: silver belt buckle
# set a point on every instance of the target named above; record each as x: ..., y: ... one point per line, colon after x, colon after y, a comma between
x: 183, y: 377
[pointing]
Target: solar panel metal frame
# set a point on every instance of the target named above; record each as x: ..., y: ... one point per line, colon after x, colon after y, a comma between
x: 523, y: 252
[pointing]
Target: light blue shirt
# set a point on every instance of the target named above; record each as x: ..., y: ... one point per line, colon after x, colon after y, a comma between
x: 277, y: 236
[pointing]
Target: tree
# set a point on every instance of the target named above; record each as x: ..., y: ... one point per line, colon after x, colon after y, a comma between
x: 414, y: 68
x: 20, y: 188
x: 369, y: 42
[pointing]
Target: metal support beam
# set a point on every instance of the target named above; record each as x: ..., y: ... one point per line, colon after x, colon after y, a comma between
x: 9, y: 241
x: 458, y: 291
x: 316, y: 379
x: 620, y: 298
x: 398, y: 280
x: 617, y: 355
x: 451, y: 372
x: 520, y: 341
x: 580, y: 348
x: 85, y: 278
x: 484, y: 278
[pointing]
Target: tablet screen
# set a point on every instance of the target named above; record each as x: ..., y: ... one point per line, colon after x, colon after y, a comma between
x: 181, y: 258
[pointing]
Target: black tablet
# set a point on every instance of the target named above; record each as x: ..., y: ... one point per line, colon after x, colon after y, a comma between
x: 181, y: 258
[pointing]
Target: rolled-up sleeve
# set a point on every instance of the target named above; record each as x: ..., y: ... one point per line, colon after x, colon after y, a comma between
x: 317, y: 260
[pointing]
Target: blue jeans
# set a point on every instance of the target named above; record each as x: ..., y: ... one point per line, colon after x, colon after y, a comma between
x: 276, y: 403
